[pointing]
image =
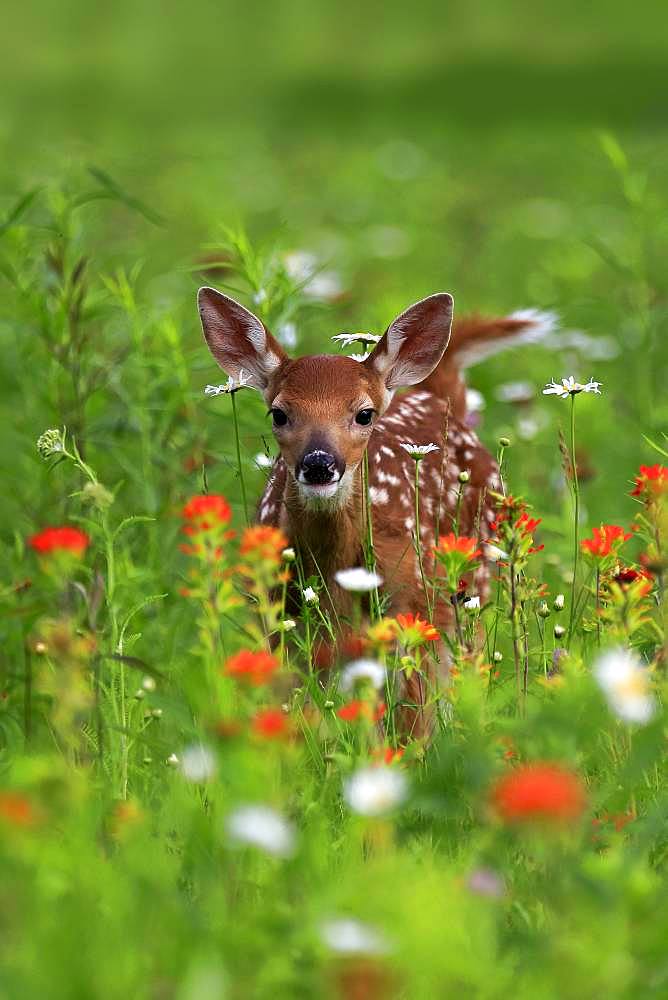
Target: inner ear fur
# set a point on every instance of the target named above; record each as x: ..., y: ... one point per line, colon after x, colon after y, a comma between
x: 414, y: 342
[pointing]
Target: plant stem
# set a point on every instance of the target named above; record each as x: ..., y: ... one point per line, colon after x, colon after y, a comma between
x: 418, y: 544
x: 576, y: 522
x: 238, y: 450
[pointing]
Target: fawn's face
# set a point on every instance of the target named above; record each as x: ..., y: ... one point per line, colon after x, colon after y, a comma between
x: 324, y: 407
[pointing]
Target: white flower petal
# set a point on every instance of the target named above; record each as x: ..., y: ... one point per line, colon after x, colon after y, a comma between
x: 363, y: 670
x: 347, y: 936
x: 374, y: 791
x: 358, y: 579
x: 625, y: 684
x: 198, y: 764
x: 262, y: 827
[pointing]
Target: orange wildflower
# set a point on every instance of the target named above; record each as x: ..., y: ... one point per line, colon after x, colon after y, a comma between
x: 604, y: 541
x: 264, y: 542
x: 416, y: 630
x: 539, y: 791
x: 251, y: 668
x: 651, y: 482
x: 356, y: 710
x: 16, y: 809
x: 270, y: 724
x: 65, y: 539
x: 453, y: 543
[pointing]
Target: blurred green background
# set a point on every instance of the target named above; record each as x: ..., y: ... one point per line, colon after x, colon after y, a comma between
x: 511, y: 152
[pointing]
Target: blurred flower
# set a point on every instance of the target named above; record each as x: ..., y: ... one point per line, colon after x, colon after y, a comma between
x: 374, y: 791
x: 357, y: 709
x: 303, y: 267
x: 605, y: 540
x: 198, y: 764
x: 358, y: 579
x: 347, y: 936
x: 50, y: 443
x: 271, y: 724
x: 625, y: 684
x: 569, y: 387
x: 263, y: 542
x: 473, y: 603
x: 651, y: 482
x: 559, y: 631
x: 263, y: 461
x: 288, y: 624
x: 559, y: 602
x: 493, y: 552
x: 206, y: 511
x: 363, y: 671
x: 475, y: 401
x: 263, y: 827
x: 288, y: 554
x: 414, y: 630
x: 497, y: 656
x: 486, y: 882
x: 419, y: 451
x: 148, y: 684
x: 515, y: 392
x: 286, y: 334
x: 540, y: 791
x: 65, y: 539
x: 232, y: 385
x: 252, y: 668
x: 16, y: 809
x: 173, y: 760
x: 310, y: 595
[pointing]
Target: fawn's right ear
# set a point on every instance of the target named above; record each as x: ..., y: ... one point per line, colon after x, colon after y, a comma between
x: 238, y: 340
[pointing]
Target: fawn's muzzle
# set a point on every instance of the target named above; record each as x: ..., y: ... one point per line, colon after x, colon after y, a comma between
x: 317, y: 468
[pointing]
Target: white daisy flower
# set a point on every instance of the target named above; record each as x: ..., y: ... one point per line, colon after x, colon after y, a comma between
x: 360, y: 357
x: 473, y: 603
x: 263, y: 461
x: 358, y: 579
x: 198, y: 764
x: 374, y: 791
x: 232, y: 385
x: 625, y: 684
x: 288, y: 624
x: 515, y: 392
x: 288, y: 554
x: 569, y: 387
x: 347, y: 936
x: 310, y: 595
x: 347, y: 339
x: 261, y: 826
x: 475, y: 401
x: 418, y: 451
x: 287, y: 335
x: 363, y: 670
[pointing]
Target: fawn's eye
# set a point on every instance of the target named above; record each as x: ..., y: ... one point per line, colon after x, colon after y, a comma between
x: 364, y: 417
x: 280, y: 416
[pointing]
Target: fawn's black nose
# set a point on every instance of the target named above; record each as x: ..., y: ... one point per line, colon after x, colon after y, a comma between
x: 318, y: 468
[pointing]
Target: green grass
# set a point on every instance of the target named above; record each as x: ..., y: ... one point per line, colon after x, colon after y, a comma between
x: 511, y: 157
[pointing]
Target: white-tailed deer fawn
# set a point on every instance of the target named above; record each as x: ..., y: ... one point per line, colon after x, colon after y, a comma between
x: 327, y: 411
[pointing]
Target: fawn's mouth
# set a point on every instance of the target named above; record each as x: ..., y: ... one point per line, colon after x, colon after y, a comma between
x: 318, y: 491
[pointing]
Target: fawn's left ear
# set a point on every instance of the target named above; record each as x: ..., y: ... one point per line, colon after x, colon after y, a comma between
x: 238, y: 340
x: 414, y: 343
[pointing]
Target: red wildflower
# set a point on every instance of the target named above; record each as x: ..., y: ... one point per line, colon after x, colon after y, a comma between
x: 627, y: 575
x: 271, y: 724
x: 387, y: 755
x: 539, y: 791
x: 16, y: 809
x: 651, y: 483
x: 356, y: 710
x: 416, y: 629
x: 205, y: 512
x: 605, y: 540
x: 527, y: 525
x: 251, y: 668
x: 453, y: 543
x: 65, y: 539
x: 264, y: 542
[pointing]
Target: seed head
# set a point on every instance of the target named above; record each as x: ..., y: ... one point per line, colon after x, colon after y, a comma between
x: 50, y: 443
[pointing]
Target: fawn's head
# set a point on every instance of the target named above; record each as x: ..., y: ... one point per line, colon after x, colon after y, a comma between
x: 324, y: 406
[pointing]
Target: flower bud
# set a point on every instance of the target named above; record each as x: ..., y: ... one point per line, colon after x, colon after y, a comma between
x: 148, y: 684
x: 310, y: 595
x: 504, y: 442
x: 140, y: 694
x: 464, y: 476
x: 50, y: 443
x: 498, y: 656
x: 172, y: 760
x: 542, y: 610
x: 329, y: 704
x: 288, y: 554
x: 559, y: 631
x: 559, y: 602
x: 288, y: 624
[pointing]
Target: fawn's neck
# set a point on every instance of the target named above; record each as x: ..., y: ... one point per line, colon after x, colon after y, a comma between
x: 328, y: 536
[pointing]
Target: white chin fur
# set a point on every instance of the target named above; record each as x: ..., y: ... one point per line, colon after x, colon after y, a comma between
x: 329, y: 496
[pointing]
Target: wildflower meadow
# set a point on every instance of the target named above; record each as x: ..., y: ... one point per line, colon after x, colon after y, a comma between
x: 208, y: 785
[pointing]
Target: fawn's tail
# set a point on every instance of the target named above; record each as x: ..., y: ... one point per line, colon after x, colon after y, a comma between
x: 475, y: 338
